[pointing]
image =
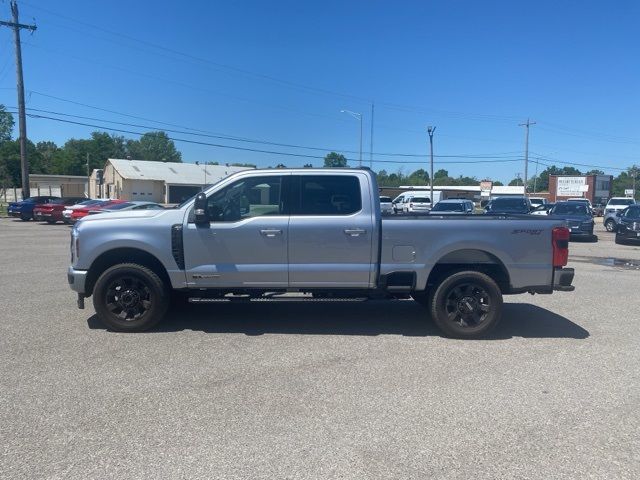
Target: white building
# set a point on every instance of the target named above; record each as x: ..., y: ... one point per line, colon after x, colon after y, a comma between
x: 163, y: 182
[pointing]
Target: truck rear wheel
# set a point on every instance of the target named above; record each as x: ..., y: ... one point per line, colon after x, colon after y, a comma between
x: 130, y: 298
x: 467, y: 304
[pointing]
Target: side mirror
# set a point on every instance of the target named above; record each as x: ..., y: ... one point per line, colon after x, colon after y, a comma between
x: 200, y: 209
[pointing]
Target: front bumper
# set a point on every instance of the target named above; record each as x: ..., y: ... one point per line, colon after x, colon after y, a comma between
x: 630, y: 235
x: 562, y: 279
x: 77, y: 279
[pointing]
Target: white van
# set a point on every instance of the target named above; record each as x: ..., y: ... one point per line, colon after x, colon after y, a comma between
x: 400, y: 203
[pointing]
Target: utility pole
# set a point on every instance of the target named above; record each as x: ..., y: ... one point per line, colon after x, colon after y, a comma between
x: 24, y: 162
x: 371, y: 140
x: 89, y: 179
x: 430, y: 131
x: 526, y: 151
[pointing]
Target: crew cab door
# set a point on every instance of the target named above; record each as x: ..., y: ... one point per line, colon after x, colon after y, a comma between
x: 245, y: 243
x: 331, y: 231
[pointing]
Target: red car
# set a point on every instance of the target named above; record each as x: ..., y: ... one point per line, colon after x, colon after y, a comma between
x: 52, y: 212
x: 79, y: 213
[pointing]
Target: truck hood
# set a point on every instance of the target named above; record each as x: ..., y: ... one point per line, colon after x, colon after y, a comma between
x: 140, y: 214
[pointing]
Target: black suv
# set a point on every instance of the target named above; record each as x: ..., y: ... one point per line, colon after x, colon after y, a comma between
x: 628, y: 225
x: 507, y: 205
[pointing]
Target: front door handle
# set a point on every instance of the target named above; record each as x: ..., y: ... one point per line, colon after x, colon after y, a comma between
x: 354, y: 232
x: 270, y: 232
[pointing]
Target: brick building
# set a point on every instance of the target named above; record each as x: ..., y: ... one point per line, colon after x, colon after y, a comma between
x: 596, y: 188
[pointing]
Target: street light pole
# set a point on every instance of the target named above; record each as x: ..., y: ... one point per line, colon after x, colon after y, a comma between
x: 430, y: 131
x: 526, y: 152
x: 359, y: 117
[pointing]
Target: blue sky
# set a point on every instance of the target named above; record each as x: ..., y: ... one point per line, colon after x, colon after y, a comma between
x: 281, y: 71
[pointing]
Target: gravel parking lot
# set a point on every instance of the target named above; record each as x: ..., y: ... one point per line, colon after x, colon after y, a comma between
x: 326, y: 390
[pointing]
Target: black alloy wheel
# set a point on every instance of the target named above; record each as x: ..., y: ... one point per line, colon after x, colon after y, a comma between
x: 130, y: 298
x: 467, y: 305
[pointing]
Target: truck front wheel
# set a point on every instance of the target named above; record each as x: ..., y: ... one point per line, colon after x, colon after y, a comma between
x: 130, y: 298
x: 467, y: 304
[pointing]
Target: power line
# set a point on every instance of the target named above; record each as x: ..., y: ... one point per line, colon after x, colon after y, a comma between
x: 562, y: 162
x: 264, y: 142
x: 272, y: 152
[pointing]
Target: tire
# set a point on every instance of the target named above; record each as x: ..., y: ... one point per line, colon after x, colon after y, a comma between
x: 619, y: 240
x: 130, y: 298
x: 51, y: 222
x: 610, y: 225
x: 25, y: 217
x: 466, y: 304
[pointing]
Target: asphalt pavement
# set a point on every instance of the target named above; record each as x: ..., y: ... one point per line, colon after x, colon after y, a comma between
x: 351, y: 390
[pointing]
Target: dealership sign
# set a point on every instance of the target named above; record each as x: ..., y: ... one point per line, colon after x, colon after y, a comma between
x: 571, y: 186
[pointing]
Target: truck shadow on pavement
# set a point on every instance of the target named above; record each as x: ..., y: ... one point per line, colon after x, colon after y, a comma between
x: 405, y: 318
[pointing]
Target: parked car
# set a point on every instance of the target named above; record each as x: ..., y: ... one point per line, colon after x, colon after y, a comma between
x: 52, y: 212
x: 119, y: 207
x: 24, y: 208
x: 538, y: 201
x: 542, y: 209
x: 584, y: 201
x: 235, y: 239
x: 577, y: 215
x: 618, y: 204
x: 628, y: 225
x: 79, y: 213
x: 66, y: 213
x: 508, y: 205
x: 386, y: 205
x: 417, y: 205
x: 399, y: 203
x: 452, y: 207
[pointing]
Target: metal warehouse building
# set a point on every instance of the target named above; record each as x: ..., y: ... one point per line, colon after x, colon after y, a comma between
x: 163, y: 182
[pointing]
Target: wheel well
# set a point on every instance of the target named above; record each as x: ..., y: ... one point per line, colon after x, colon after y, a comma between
x: 123, y: 255
x: 477, y: 260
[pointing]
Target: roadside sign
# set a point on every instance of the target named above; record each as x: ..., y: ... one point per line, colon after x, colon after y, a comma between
x: 628, y: 192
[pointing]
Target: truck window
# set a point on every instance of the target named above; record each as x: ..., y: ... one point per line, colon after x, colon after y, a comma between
x: 246, y: 198
x: 326, y: 195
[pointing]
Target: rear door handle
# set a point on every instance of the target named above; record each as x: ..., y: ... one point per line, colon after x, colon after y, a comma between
x: 354, y: 232
x: 270, y: 232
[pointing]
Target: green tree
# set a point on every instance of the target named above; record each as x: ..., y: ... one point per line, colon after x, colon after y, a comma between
x: 154, y: 146
x: 334, y: 159
x: 419, y: 177
x: 515, y: 182
x: 442, y: 173
x: 498, y: 183
x: 6, y: 124
x: 10, y: 171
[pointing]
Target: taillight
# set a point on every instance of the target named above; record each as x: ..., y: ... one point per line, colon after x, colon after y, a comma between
x: 560, y: 241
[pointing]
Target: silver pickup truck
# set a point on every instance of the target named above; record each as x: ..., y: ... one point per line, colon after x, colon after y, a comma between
x: 260, y: 233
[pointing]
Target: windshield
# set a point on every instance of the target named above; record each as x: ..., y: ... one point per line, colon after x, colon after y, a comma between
x: 509, y: 205
x: 573, y: 208
x: 633, y: 212
x: 621, y: 201
x: 448, y: 207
